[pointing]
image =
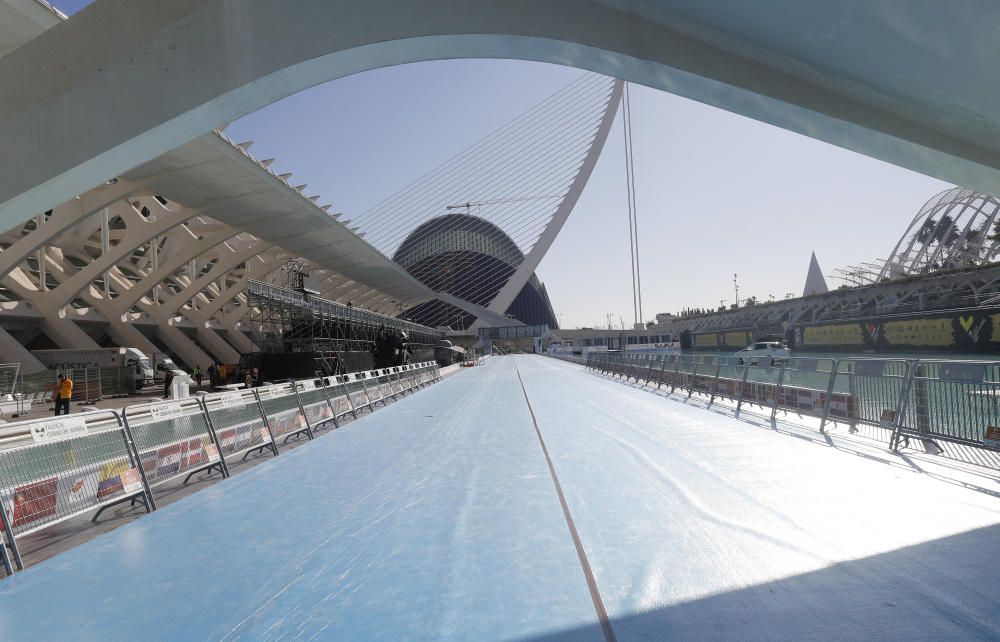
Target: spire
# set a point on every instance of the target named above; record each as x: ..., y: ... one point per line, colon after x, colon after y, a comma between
x: 815, y: 283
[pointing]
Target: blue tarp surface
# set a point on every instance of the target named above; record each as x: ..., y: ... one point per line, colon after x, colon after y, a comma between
x: 437, y: 518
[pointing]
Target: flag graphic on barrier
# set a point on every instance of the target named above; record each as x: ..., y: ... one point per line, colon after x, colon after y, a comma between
x: 168, y: 461
x: 34, y: 501
x: 109, y: 478
x: 75, y: 491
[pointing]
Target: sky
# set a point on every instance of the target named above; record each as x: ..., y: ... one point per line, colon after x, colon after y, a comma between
x: 716, y: 193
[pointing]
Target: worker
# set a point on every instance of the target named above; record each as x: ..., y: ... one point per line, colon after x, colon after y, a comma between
x: 62, y: 394
x: 197, y: 375
x: 167, y: 380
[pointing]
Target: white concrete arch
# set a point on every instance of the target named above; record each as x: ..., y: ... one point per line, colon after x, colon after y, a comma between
x: 66, y: 126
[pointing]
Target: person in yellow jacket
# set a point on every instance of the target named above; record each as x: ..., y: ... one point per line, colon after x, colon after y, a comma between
x: 63, y: 393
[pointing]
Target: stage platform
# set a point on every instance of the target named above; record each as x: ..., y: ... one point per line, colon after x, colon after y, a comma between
x: 443, y: 516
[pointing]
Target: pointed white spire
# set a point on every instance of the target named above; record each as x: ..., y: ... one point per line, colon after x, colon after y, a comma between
x: 301, y: 187
x: 325, y: 208
x: 245, y: 145
x: 314, y: 198
x: 285, y: 176
x: 815, y: 282
x: 267, y: 162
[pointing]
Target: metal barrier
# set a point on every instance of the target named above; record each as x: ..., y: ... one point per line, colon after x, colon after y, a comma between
x: 339, y: 398
x: 283, y: 411
x: 956, y: 401
x: 315, y: 403
x: 173, y: 438
x: 357, y: 392
x: 239, y: 423
x: 64, y: 467
x: 55, y: 469
x: 953, y: 401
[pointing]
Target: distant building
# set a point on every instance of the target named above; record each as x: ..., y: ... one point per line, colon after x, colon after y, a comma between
x: 469, y: 258
x: 815, y: 283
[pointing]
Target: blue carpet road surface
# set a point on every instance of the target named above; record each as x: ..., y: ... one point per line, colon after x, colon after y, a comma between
x: 438, y: 517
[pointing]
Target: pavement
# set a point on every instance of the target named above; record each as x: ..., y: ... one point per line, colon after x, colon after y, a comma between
x: 531, y: 499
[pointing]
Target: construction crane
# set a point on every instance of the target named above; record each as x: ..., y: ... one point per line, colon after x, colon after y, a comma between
x: 498, y: 201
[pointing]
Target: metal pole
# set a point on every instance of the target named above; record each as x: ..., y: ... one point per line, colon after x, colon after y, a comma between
x: 267, y: 423
x: 224, y: 467
x: 130, y: 444
x: 715, y: 380
x: 777, y: 392
x: 743, y: 385
x: 829, y: 396
x: 305, y: 417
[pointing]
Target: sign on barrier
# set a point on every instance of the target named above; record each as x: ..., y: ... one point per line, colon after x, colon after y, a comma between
x: 283, y: 412
x: 239, y: 423
x: 81, y: 466
x: 171, y: 439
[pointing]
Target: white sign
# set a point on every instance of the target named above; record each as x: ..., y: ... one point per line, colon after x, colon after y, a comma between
x: 308, y: 384
x: 58, y: 429
x: 212, y: 452
x: 231, y: 399
x: 165, y: 411
x: 131, y: 482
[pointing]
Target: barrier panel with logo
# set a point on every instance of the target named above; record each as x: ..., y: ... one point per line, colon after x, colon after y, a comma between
x: 173, y: 438
x: 52, y: 470
x: 372, y: 388
x: 239, y: 423
x: 283, y: 412
x: 807, y: 388
x: 956, y: 401
x: 358, y: 393
x: 395, y: 382
x: 872, y: 390
x: 385, y: 383
x: 336, y: 390
x: 315, y: 403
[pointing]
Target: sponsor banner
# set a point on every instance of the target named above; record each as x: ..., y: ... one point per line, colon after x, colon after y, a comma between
x: 308, y: 384
x: 992, y: 437
x: 212, y: 453
x: 286, y: 421
x: 359, y: 398
x: 67, y: 427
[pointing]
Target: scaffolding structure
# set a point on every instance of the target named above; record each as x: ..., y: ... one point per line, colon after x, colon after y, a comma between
x: 286, y: 319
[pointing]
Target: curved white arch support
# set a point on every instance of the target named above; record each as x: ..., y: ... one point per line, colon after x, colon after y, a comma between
x: 728, y: 55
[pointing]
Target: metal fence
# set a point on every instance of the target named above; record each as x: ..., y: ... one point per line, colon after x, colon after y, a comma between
x: 952, y: 401
x: 54, y: 469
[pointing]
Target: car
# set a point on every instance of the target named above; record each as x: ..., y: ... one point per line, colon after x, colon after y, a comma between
x: 762, y: 353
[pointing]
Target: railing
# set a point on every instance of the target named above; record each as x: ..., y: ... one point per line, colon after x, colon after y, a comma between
x: 333, y: 309
x: 52, y: 470
x: 952, y: 401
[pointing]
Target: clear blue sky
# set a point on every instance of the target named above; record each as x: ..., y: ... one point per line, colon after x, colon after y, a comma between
x: 716, y: 193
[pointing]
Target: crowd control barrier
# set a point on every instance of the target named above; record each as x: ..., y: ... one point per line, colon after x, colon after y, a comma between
x: 240, y: 424
x: 173, y: 439
x: 952, y: 401
x: 314, y: 399
x: 61, y: 468
x: 55, y: 469
x: 283, y: 411
x: 957, y: 401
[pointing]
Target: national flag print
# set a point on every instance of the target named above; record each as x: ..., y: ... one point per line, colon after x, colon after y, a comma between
x: 109, y: 479
x: 34, y: 502
x: 76, y: 491
x: 168, y: 461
